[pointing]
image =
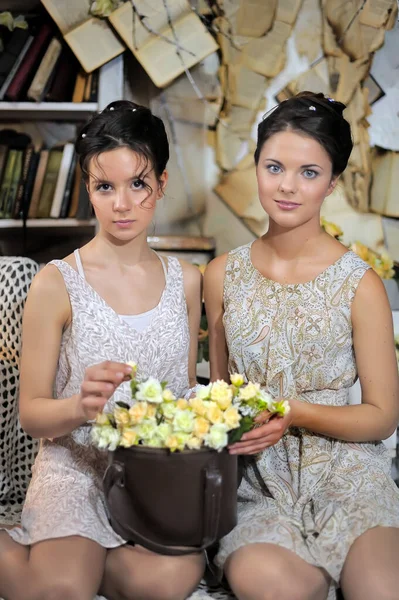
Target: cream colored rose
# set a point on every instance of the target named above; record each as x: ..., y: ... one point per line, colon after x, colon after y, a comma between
x: 105, y: 436
x: 222, y: 394
x: 232, y: 417
x: 214, y: 414
x: 201, y: 427
x: 128, y: 437
x: 150, y: 391
x: 203, y: 392
x: 168, y: 410
x: 138, y: 412
x: 102, y: 419
x: 122, y: 416
x: 151, y: 411
x: 237, y: 379
x: 168, y: 396
x: 147, y: 429
x: 194, y: 443
x: 198, y: 406
x: 250, y: 391
x: 172, y: 443
x: 217, y: 437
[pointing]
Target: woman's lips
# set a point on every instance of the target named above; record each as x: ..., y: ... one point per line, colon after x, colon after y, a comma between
x: 286, y: 205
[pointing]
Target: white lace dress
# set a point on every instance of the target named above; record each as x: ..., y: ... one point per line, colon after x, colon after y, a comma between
x: 65, y: 495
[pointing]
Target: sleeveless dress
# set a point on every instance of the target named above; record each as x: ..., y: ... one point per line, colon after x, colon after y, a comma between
x: 309, y: 493
x: 65, y: 495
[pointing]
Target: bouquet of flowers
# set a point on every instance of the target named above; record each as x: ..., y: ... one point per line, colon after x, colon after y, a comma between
x: 218, y: 415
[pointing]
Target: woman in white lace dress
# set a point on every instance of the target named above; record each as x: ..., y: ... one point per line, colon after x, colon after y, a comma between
x: 86, y: 317
x: 303, y: 316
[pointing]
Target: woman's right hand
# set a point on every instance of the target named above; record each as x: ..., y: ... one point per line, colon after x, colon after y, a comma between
x: 99, y: 384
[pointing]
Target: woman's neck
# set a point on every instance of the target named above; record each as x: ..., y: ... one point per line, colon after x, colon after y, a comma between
x: 291, y: 244
x: 128, y: 254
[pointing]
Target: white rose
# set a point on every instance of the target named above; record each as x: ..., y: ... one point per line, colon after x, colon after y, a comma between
x: 237, y: 379
x: 147, y: 429
x: 217, y: 437
x: 105, y: 437
x: 203, y: 391
x: 168, y: 396
x: 150, y: 391
x: 184, y: 421
x: 169, y: 410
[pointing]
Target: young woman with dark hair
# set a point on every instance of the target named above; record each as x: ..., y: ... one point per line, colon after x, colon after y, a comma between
x: 304, y: 317
x: 113, y: 301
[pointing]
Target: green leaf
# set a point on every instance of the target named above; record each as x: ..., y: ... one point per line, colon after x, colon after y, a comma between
x: 122, y: 404
x: 164, y: 384
x: 246, y: 424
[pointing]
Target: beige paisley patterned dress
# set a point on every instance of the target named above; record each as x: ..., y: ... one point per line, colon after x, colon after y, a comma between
x: 309, y: 493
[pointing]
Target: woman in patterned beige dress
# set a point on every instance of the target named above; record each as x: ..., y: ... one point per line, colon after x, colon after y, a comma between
x: 86, y: 317
x: 303, y: 316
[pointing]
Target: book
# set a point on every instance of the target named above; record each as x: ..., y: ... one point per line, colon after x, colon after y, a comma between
x: 27, y: 66
x: 10, y: 54
x: 28, y: 185
x: 27, y: 157
x: 65, y: 72
x: 73, y: 206
x: 15, y: 179
x: 38, y: 184
x: 385, y: 184
x: 49, y: 183
x: 42, y: 77
x: 16, y: 66
x: 157, y: 52
x: 91, y: 39
x: 7, y: 181
x: 3, y: 158
x: 66, y: 201
x: 62, y: 176
x: 80, y: 85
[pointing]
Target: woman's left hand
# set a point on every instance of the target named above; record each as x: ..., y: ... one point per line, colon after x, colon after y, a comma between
x: 269, y: 432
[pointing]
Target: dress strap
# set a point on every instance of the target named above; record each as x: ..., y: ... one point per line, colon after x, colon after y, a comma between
x: 163, y: 263
x: 79, y: 263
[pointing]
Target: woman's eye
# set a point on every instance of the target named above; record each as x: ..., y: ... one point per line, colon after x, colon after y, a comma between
x: 138, y: 184
x: 103, y: 187
x: 310, y: 174
x: 273, y: 169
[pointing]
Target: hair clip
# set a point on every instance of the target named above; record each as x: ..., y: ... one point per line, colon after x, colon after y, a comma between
x: 133, y: 109
x: 112, y: 108
x: 331, y: 99
x: 83, y: 135
x: 312, y: 107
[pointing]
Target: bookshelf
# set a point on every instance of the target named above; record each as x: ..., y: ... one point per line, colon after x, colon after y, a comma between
x: 65, y: 111
x: 45, y: 223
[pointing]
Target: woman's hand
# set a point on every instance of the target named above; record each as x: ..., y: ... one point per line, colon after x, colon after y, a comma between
x: 268, y: 431
x: 99, y: 384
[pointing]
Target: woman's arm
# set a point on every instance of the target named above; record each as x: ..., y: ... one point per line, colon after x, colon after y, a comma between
x: 193, y: 292
x: 47, y: 313
x: 373, y: 339
x: 213, y: 294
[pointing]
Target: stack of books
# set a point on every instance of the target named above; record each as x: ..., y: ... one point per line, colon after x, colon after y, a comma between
x: 37, y: 65
x: 40, y: 183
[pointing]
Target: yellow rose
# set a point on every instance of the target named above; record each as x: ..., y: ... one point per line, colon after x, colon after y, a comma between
x: 214, y: 414
x: 237, y: 379
x: 128, y: 437
x: 181, y: 404
x: 151, y: 411
x: 168, y: 396
x: 232, y: 417
x: 102, y: 419
x: 251, y: 390
x: 122, y: 417
x: 194, y: 443
x: 172, y: 443
x: 331, y: 228
x: 198, y: 406
x: 201, y: 427
x: 361, y: 250
x: 222, y: 394
x: 138, y: 412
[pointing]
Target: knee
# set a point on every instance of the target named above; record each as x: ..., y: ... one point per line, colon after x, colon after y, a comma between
x: 173, y: 579
x: 59, y: 590
x: 273, y: 580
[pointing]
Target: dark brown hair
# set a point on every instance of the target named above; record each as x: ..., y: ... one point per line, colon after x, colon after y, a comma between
x: 315, y: 116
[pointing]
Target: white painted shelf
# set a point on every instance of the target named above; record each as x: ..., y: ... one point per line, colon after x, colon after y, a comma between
x: 43, y: 223
x: 66, y: 111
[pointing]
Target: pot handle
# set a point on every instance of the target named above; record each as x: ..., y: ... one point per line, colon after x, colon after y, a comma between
x: 118, y: 501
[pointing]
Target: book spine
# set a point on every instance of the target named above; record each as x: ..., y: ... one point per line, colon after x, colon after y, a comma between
x: 19, y: 195
x: 38, y: 85
x: 15, y: 68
